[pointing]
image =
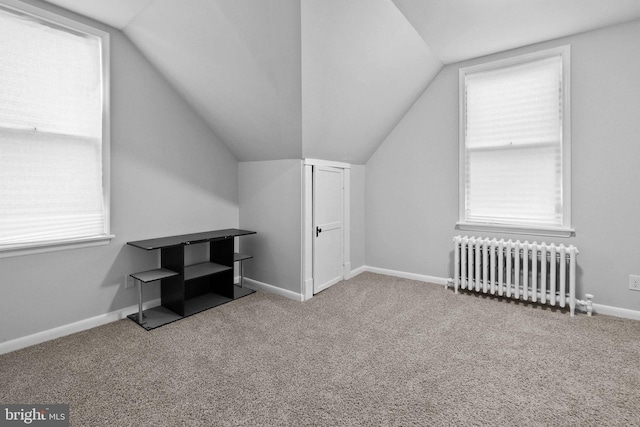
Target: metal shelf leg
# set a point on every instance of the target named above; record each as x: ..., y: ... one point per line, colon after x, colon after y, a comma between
x: 140, y: 315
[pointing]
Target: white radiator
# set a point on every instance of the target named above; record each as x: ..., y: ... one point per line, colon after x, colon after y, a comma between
x: 544, y: 273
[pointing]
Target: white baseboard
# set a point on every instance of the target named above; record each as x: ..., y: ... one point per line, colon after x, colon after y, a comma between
x: 346, y: 271
x: 261, y: 286
x: 616, y: 311
x: 72, y: 328
x: 597, y: 308
x: 358, y: 270
x: 308, y: 289
x: 103, y: 319
x: 413, y: 276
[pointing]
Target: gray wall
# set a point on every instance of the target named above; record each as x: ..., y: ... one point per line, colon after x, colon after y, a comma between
x: 357, y: 210
x: 270, y: 195
x: 169, y: 175
x: 412, y: 180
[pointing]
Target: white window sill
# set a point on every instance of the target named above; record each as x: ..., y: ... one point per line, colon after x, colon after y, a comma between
x: 7, y: 251
x: 511, y: 229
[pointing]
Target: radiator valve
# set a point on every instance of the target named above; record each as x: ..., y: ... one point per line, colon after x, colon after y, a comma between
x: 447, y: 283
x: 587, y: 304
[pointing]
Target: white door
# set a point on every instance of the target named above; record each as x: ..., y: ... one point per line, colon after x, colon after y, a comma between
x: 327, y: 226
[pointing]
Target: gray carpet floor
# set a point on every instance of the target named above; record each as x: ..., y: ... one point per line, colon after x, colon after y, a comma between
x: 373, y: 350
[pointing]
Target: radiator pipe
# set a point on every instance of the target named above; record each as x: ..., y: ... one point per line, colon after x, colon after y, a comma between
x: 588, y: 304
x: 449, y: 282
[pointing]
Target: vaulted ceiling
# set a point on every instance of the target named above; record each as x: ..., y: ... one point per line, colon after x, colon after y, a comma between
x: 327, y: 79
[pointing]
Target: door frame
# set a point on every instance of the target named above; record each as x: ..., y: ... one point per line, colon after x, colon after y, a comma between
x: 307, y: 221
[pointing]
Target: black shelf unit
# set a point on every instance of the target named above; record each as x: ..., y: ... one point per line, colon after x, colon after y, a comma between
x: 189, y: 289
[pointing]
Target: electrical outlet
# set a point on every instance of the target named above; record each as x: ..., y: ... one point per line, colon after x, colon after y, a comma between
x: 129, y: 282
x: 634, y: 283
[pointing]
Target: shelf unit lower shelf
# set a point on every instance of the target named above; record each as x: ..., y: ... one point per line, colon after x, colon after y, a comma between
x: 159, y: 316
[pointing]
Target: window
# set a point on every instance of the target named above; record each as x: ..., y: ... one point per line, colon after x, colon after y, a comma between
x: 515, y: 145
x: 54, y: 132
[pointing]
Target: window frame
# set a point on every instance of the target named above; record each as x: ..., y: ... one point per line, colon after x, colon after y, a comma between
x: 565, y: 230
x: 73, y: 25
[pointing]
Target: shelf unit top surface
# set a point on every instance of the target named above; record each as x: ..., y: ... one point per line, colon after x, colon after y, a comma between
x: 189, y: 239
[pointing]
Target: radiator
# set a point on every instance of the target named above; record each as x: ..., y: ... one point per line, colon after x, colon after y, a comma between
x: 540, y: 273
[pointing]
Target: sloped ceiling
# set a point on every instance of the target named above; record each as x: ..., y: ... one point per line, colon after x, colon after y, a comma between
x: 462, y: 29
x: 237, y: 63
x: 327, y: 79
x: 363, y: 66
x: 117, y: 13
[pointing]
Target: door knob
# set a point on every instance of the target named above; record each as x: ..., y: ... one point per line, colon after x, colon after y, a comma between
x: 318, y: 231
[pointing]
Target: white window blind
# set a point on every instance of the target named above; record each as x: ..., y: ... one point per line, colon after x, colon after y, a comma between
x: 513, y: 144
x: 51, y: 132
